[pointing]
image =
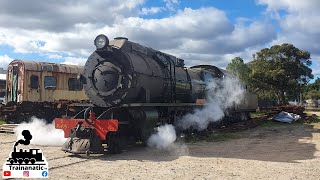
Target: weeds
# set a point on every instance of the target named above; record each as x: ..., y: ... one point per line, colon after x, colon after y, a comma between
x: 212, y: 137
x: 267, y: 123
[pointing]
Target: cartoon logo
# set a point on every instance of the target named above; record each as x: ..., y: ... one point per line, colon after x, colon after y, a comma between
x: 44, y: 173
x: 25, y: 173
x: 25, y: 163
x: 6, y: 173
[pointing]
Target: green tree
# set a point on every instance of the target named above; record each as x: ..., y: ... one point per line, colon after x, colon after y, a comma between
x: 312, y: 86
x: 281, y: 69
x: 310, y: 89
x: 239, y: 69
x: 313, y: 94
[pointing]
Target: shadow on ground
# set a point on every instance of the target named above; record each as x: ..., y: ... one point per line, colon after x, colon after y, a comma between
x: 281, y: 143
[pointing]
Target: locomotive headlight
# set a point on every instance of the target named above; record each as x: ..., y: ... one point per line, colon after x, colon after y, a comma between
x: 101, y: 41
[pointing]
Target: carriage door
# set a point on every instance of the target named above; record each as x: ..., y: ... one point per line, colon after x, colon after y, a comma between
x: 34, y: 86
x: 49, y: 85
x: 14, y: 85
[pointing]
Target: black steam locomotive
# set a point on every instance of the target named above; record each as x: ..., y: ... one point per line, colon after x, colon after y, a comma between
x: 25, y: 156
x: 140, y: 88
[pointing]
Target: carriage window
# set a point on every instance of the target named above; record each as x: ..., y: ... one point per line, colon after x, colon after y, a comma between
x: 34, y: 82
x: 2, y: 83
x: 50, y: 82
x: 74, y: 84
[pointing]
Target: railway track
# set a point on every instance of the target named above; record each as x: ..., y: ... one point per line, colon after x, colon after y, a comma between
x: 8, y: 128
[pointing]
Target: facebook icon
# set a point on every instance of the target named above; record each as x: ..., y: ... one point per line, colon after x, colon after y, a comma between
x: 44, y: 173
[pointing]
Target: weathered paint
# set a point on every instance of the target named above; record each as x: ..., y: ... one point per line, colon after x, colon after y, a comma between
x: 61, y: 72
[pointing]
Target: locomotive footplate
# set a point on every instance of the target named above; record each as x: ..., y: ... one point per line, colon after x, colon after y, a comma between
x: 86, y: 136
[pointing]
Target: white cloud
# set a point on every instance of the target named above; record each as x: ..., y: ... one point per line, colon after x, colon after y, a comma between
x: 152, y: 10
x: 4, y: 61
x: 299, y: 25
x: 74, y: 61
x: 171, y: 4
x: 194, y: 37
x: 61, y: 15
x: 239, y: 39
x: 204, y: 35
x: 169, y: 32
x: 293, y: 6
x: 54, y: 56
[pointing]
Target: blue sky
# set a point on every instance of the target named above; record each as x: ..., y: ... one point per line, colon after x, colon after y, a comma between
x: 201, y: 32
x: 233, y: 8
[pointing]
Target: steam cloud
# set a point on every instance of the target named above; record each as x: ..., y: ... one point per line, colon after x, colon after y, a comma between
x: 42, y: 133
x: 164, y: 137
x: 221, y: 95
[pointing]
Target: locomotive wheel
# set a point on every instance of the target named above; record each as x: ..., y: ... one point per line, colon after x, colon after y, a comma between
x: 26, y: 160
x: 11, y: 161
x: 33, y: 161
x: 95, y: 146
x: 114, y: 143
x: 20, y: 161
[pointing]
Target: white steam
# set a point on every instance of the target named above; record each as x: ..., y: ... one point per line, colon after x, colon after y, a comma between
x: 42, y: 133
x: 221, y: 94
x: 164, y: 137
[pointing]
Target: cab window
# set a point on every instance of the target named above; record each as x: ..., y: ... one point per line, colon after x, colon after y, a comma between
x: 74, y: 84
x: 34, y: 82
x: 50, y: 82
x: 207, y: 77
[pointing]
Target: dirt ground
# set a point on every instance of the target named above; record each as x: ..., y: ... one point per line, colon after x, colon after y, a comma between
x: 271, y: 151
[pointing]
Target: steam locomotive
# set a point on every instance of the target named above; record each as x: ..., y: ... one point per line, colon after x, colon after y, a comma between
x: 26, y: 156
x: 134, y: 89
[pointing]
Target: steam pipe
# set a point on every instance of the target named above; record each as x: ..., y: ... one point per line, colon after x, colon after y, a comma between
x: 85, y: 115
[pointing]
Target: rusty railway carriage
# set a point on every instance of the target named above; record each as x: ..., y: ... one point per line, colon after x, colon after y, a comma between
x: 2, y: 88
x: 134, y: 89
x: 40, y: 89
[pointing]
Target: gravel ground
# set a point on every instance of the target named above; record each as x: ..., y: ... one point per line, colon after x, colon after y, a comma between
x: 266, y: 152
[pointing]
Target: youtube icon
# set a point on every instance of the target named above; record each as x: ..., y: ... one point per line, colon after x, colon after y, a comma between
x: 6, y: 173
